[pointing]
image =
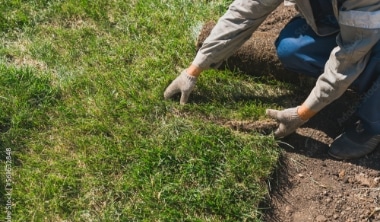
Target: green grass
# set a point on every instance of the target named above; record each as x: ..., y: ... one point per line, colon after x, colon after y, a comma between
x: 82, y: 109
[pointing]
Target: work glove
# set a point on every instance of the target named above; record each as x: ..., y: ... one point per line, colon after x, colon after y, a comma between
x: 288, y: 119
x: 184, y: 84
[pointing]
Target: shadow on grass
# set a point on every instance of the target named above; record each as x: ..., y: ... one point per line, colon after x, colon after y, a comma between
x: 291, y: 89
x: 283, y: 100
x: 314, y: 137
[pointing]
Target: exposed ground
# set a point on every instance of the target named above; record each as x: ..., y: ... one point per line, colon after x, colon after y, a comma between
x: 308, y: 184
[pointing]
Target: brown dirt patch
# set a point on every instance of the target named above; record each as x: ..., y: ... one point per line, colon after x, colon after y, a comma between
x: 308, y: 184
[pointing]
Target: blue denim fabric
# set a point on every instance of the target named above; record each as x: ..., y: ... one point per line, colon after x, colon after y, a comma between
x: 301, y: 50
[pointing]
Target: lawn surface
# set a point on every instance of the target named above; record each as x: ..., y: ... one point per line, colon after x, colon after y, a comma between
x: 89, y: 134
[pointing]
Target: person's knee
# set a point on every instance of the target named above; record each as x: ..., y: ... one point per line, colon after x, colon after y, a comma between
x: 287, y: 49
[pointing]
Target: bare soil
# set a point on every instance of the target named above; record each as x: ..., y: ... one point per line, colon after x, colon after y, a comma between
x: 308, y: 184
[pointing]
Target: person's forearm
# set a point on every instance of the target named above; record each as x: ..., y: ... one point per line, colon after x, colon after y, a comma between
x: 305, y: 112
x: 194, y: 70
x: 232, y: 30
x: 359, y: 30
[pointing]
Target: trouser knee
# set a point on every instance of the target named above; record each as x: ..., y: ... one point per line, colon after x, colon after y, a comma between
x: 301, y: 50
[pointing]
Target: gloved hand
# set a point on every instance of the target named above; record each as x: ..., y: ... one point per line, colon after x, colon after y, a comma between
x: 184, y: 84
x: 289, y: 121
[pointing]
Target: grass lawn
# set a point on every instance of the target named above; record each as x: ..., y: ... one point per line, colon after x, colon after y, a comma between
x: 85, y: 134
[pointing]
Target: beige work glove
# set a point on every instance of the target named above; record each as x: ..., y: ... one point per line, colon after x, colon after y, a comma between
x: 288, y: 119
x: 183, y: 84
